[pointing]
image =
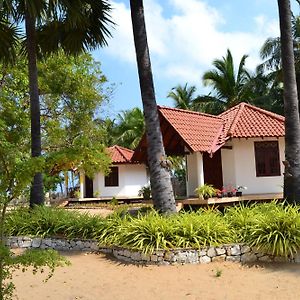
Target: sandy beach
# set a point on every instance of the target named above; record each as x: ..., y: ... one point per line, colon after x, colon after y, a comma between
x: 94, y: 276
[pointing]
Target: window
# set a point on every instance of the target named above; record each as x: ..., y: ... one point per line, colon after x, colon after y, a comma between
x: 267, y: 158
x: 112, y: 179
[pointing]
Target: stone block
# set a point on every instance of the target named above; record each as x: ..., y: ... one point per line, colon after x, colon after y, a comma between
x: 202, y: 252
x: 153, y: 257
x: 233, y: 258
x: 234, y: 250
x: 245, y: 249
x: 25, y: 244
x: 248, y: 257
x: 211, y: 252
x: 219, y: 258
x: 283, y: 259
x: 36, y: 242
x: 266, y: 258
x: 145, y: 257
x: 204, y: 259
x: 220, y: 251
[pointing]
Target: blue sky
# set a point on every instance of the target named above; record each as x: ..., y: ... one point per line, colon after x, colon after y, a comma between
x: 184, y: 38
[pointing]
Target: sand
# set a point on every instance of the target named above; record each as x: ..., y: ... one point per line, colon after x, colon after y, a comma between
x: 93, y: 276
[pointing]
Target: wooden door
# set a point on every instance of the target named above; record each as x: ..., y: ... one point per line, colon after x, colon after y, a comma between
x: 89, y: 193
x: 212, y: 167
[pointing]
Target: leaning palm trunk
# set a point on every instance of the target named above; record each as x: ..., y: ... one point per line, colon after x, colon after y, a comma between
x: 162, y: 192
x: 36, y: 193
x: 291, y: 109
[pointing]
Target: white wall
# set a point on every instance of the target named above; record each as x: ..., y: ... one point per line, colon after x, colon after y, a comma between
x: 228, y: 166
x: 131, y: 178
x: 195, y: 175
x: 239, y: 167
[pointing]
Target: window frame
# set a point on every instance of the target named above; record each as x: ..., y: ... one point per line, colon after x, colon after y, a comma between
x: 112, y: 179
x: 264, y: 155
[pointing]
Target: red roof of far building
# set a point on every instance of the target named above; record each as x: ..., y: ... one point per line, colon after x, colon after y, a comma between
x: 200, y: 132
x: 120, y: 155
x: 248, y: 121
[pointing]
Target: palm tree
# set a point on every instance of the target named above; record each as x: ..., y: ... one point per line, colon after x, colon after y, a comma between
x: 228, y: 86
x: 183, y: 96
x: 291, y: 107
x: 130, y: 128
x: 161, y: 186
x: 74, y: 26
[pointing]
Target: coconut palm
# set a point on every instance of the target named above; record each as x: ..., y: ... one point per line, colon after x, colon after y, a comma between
x: 74, y: 26
x: 161, y: 187
x: 291, y: 108
x: 183, y: 96
x: 228, y: 86
x: 130, y: 128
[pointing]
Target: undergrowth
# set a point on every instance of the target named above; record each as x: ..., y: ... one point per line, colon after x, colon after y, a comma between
x: 273, y: 228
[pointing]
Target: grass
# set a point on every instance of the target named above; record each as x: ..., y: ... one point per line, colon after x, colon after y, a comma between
x: 271, y: 228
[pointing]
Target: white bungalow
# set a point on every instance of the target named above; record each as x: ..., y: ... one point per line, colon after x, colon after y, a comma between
x: 124, y: 181
x: 243, y: 146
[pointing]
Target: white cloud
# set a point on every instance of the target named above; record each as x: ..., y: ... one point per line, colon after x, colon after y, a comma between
x: 183, y: 45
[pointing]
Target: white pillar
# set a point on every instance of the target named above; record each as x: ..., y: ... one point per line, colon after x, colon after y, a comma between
x: 200, y: 170
x: 195, y: 173
x: 81, y: 184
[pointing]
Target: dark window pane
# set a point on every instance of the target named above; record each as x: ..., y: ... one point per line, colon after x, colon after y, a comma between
x: 267, y: 158
x: 113, y: 178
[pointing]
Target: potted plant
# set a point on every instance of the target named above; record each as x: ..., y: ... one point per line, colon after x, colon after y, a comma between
x: 145, y: 192
x: 239, y: 189
x: 206, y: 191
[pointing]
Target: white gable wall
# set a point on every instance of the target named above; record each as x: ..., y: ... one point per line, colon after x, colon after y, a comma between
x: 239, y: 167
x: 131, y: 178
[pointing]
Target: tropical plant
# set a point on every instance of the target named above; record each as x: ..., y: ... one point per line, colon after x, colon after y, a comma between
x: 229, y: 86
x: 162, y: 191
x: 130, y: 128
x: 74, y: 26
x: 291, y: 106
x: 145, y: 191
x: 206, y: 191
x: 183, y: 96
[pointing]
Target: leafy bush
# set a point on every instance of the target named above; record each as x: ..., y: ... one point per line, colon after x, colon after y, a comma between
x: 270, y: 227
x: 203, y: 228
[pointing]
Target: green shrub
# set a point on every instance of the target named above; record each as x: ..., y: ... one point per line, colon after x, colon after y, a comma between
x: 149, y: 232
x: 203, y: 228
x: 277, y: 230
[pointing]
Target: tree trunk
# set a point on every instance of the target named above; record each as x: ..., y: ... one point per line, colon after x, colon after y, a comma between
x: 291, y: 109
x: 161, y: 187
x: 36, y: 192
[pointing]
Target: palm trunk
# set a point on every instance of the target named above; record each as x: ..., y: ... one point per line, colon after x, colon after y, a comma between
x: 162, y: 192
x: 36, y: 192
x: 291, y: 108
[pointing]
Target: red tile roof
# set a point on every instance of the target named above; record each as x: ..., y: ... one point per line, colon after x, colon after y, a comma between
x: 200, y: 132
x: 247, y: 121
x: 120, y: 155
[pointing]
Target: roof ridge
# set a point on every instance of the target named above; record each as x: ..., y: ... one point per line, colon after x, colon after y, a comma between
x: 188, y: 111
x: 240, y: 108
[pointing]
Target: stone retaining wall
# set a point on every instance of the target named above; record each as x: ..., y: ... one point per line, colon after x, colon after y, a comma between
x: 234, y: 253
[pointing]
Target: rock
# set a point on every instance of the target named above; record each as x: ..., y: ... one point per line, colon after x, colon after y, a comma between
x: 136, y: 256
x: 265, y: 258
x: 245, y: 249
x: 145, y: 257
x: 168, y: 255
x: 233, y: 258
x: 36, y: 242
x: 211, y: 252
x: 248, y: 257
x: 219, y: 258
x: 192, y: 257
x: 234, y: 250
x: 202, y: 252
x: 205, y: 259
x: 283, y: 259
x: 153, y: 257
x: 220, y: 251
x: 25, y: 244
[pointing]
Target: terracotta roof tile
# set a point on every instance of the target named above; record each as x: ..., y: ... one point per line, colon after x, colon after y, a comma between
x: 201, y: 132
x: 120, y: 154
x: 246, y: 121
